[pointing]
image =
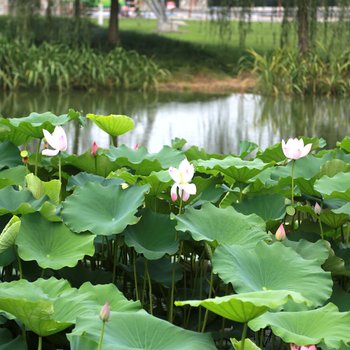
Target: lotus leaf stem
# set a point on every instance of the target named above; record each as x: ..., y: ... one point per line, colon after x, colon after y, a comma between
x: 244, y: 335
x: 40, y: 342
x: 101, y: 336
x: 135, y: 276
x: 293, y: 162
x: 149, y: 289
x: 209, y: 296
x: 36, y: 158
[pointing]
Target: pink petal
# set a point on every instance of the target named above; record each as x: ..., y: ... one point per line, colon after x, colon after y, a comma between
x: 173, y: 192
x: 280, y: 233
x: 50, y: 152
x: 306, y: 150
x: 185, y: 196
x: 294, y: 347
x: 175, y: 174
x: 187, y: 170
x: 60, y: 138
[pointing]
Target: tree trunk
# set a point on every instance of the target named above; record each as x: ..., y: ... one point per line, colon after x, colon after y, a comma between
x: 77, y: 8
x: 113, y: 30
x: 303, y: 26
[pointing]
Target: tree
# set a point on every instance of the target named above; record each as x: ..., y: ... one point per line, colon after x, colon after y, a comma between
x: 113, y: 27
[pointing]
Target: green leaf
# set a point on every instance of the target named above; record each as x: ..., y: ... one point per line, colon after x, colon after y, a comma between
x: 345, y: 144
x: 136, y: 331
x: 51, y: 244
x: 244, y: 307
x: 9, y: 343
x: 345, y: 209
x: 233, y: 167
x: 9, y: 155
x: 41, y: 188
x: 13, y: 176
x: 246, y: 147
x: 103, y: 210
x: 9, y: 234
x: 82, y: 178
x: 270, y: 207
x: 272, y: 267
x: 333, y: 167
x: 223, y: 226
x: 248, y: 344
x: 112, y: 124
x: 153, y: 236
x: 18, y: 202
x: 325, y: 325
x: 335, y: 187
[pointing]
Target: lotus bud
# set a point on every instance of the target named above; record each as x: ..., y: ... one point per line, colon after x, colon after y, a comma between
x: 294, y: 347
x: 105, y: 312
x: 317, y: 209
x: 309, y: 347
x: 280, y: 233
x: 136, y: 146
x: 94, y: 148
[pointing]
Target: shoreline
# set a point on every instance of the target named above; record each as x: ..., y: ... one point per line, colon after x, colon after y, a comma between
x: 211, y: 84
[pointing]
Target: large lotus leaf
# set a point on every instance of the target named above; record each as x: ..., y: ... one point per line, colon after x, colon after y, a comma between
x: 9, y: 155
x: 244, y: 307
x: 159, y: 181
x: 246, y: 147
x: 40, y: 188
x: 272, y: 267
x: 248, y: 344
x: 13, y: 176
x: 32, y: 303
x: 36, y: 122
x: 153, y: 236
x: 51, y: 244
x: 136, y: 331
x: 103, y: 210
x: 11, y: 134
x: 318, y: 251
x: 113, y: 124
x: 99, y: 165
x: 269, y: 207
x: 337, y: 186
x: 333, y: 167
x: 18, y: 202
x: 345, y: 209
x: 325, y: 325
x: 7, y: 342
x: 233, y: 167
x: 9, y: 233
x: 223, y: 226
x: 345, y: 144
x: 82, y: 178
x: 143, y: 162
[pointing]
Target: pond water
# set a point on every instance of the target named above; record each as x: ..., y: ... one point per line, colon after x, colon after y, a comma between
x: 216, y: 123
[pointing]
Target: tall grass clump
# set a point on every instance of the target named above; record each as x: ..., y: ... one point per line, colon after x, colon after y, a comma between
x: 314, y: 73
x: 56, y: 66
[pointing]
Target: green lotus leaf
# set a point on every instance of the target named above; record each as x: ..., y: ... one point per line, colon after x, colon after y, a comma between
x: 143, y: 162
x: 153, y: 236
x: 340, y: 298
x: 9, y: 233
x: 159, y: 181
x: 337, y: 186
x: 9, y: 155
x: 11, y: 134
x: 318, y: 251
x: 18, y: 202
x: 136, y: 331
x: 32, y: 303
x: 272, y: 267
x: 223, y: 226
x: 7, y: 342
x: 246, y: 147
x: 325, y: 325
x: 112, y: 124
x: 248, y: 344
x: 272, y: 154
x: 100, y: 164
x: 333, y: 167
x: 345, y: 144
x: 345, y: 209
x: 270, y: 207
x: 103, y: 210
x: 33, y: 125
x: 40, y: 188
x: 13, y: 176
x: 244, y: 307
x: 51, y: 244
x: 233, y: 167
x: 81, y: 179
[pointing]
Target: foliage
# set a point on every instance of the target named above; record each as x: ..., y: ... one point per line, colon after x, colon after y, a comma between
x: 57, y: 66
x: 108, y: 231
x: 315, y: 73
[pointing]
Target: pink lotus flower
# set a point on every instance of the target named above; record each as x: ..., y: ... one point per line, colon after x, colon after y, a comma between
x: 182, y: 176
x: 105, y: 312
x: 94, y: 148
x: 280, y: 233
x: 57, y: 140
x: 136, y: 146
x: 304, y: 347
x: 317, y: 209
x: 295, y: 149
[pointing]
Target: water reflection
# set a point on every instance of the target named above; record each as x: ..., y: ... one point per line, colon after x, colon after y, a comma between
x: 217, y: 123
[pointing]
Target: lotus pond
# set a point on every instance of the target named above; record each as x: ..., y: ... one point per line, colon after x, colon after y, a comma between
x: 120, y: 248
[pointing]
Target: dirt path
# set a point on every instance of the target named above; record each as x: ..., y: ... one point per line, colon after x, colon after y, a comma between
x: 205, y: 84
